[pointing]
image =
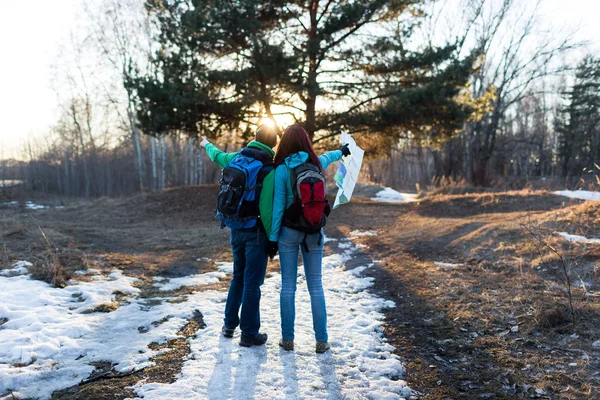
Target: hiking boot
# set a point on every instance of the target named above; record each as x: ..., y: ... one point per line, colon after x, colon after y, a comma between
x: 322, y: 347
x: 228, y: 333
x: 287, y: 345
x: 247, y: 340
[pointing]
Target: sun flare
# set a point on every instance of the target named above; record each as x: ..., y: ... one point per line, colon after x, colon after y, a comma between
x: 268, y: 122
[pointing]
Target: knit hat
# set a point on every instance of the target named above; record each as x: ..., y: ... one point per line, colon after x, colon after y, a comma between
x: 266, y: 135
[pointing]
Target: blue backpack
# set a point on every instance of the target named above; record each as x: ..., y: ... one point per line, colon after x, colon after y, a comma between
x: 241, y: 184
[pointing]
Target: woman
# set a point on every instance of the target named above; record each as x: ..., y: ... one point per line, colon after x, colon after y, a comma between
x: 294, y: 150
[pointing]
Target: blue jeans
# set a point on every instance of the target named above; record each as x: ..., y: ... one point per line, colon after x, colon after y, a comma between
x: 249, y: 267
x: 289, y: 243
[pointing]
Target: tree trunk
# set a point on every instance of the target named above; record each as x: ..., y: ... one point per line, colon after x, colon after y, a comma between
x: 137, y: 146
x: 470, y: 156
x: 193, y: 174
x: 86, y: 174
x: 154, y: 177
x: 67, y: 181
x: 163, y: 160
x: 200, y: 165
x: 186, y: 161
x: 313, y: 86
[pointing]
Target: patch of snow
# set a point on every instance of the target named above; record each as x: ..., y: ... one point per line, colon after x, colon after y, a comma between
x: 90, y: 271
x: 46, y: 328
x: 225, y: 266
x: 167, y: 284
x: 32, y: 206
x: 327, y: 239
x: 577, y: 238
x: 361, y: 364
x: 447, y: 265
x: 345, y: 245
x: 29, y: 205
x: 18, y: 268
x: 389, y: 195
x: 579, y: 194
x: 359, y: 233
x: 47, y: 331
x: 10, y: 183
x: 582, y: 284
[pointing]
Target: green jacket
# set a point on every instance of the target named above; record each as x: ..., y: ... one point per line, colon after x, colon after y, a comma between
x: 265, y: 204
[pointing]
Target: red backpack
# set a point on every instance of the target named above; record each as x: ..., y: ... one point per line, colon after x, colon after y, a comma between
x: 310, y: 209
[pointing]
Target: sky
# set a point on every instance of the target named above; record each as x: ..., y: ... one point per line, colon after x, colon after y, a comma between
x: 31, y: 32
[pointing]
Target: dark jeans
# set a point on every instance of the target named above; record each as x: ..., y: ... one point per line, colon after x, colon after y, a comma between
x: 249, y: 268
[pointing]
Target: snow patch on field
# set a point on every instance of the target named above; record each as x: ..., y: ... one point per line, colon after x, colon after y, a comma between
x: 581, y: 284
x: 358, y: 233
x: 577, y: 238
x: 579, y: 194
x: 225, y: 266
x: 389, y: 195
x: 32, y: 206
x: 447, y: 265
x: 29, y: 205
x: 48, y: 334
x: 327, y: 239
x: 167, y: 284
x: 54, y: 341
x: 360, y: 365
x: 18, y: 268
x: 6, y: 183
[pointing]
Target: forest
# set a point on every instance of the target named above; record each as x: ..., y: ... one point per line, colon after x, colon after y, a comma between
x: 478, y: 92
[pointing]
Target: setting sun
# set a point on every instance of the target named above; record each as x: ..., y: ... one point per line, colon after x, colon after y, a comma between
x: 267, y: 121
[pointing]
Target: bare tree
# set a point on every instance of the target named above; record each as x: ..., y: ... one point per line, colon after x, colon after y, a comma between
x: 121, y: 31
x: 519, y: 54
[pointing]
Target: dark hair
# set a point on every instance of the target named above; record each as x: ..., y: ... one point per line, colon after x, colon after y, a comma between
x: 295, y: 139
x: 267, y: 135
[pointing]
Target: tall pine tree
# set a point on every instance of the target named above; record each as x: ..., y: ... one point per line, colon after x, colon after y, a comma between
x: 579, y: 124
x: 329, y: 64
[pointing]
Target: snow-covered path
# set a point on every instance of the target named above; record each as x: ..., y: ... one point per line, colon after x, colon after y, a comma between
x: 579, y: 194
x: 360, y: 365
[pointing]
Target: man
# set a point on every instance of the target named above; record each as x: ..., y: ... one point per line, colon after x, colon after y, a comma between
x: 250, y: 246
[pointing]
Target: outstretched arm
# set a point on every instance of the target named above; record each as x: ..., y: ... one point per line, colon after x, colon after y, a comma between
x: 329, y: 157
x: 217, y: 156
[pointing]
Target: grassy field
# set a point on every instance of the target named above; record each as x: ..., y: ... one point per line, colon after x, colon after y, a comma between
x: 480, y: 281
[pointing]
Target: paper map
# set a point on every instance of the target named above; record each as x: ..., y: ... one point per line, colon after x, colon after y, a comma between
x: 348, y: 170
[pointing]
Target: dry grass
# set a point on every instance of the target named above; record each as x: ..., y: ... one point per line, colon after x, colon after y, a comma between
x: 5, y: 257
x: 449, y: 186
x: 47, y: 266
x: 103, y: 308
x: 453, y: 325
x: 105, y: 384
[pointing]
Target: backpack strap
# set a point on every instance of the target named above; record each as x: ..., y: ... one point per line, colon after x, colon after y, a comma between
x: 293, y: 177
x: 304, y: 244
x: 320, y: 242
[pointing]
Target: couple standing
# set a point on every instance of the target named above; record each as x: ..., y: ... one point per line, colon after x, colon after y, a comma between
x: 267, y: 222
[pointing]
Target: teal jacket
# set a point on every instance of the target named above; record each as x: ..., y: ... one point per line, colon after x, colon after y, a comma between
x: 283, y: 187
x: 265, y: 204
